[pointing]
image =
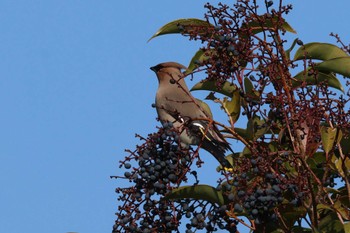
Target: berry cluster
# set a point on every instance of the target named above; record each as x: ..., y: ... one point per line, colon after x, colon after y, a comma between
x: 161, y: 166
x: 208, y: 217
x: 262, y: 187
x: 154, y: 169
x: 260, y: 203
x: 230, y: 44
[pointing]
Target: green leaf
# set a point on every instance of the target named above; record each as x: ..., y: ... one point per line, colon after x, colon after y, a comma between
x: 278, y: 231
x: 324, y: 207
x: 198, y: 59
x: 257, y: 26
x: 291, y: 214
x: 315, y: 161
x: 256, y: 128
x: 297, y: 229
x: 339, y: 65
x: 343, y: 196
x: 328, y: 137
x: 291, y: 48
x: 226, y: 88
x: 319, y: 51
x: 205, y: 107
x: 332, y: 190
x: 248, y: 85
x: 319, y: 158
x: 197, y: 192
x: 174, y: 26
x: 347, y: 227
x: 338, y: 165
x: 250, y: 91
x: 233, y: 106
x: 246, y: 152
x: 342, y: 210
x: 273, y: 146
x: 345, y: 142
x: 241, y: 132
x: 330, y: 78
x: 330, y: 223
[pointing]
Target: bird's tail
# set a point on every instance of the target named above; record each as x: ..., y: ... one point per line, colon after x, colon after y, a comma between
x: 218, y: 151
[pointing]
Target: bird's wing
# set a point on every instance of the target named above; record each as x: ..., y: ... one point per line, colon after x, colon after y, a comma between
x: 186, y: 111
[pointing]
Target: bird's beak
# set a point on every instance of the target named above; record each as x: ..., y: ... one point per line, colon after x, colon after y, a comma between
x: 154, y: 68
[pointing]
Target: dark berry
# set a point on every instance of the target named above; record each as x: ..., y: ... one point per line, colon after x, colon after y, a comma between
x: 231, y: 48
x: 238, y: 207
x: 231, y: 196
x: 127, y: 174
x: 255, y: 211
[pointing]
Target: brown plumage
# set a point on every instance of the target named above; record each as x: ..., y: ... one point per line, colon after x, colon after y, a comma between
x: 175, y: 103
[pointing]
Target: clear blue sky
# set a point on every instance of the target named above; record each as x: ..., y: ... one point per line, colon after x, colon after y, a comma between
x: 75, y: 87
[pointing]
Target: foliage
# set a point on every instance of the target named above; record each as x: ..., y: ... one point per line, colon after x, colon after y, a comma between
x: 293, y: 174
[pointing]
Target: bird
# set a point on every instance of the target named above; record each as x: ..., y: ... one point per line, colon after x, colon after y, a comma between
x: 176, y: 105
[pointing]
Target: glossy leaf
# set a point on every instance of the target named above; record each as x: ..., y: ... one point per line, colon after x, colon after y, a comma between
x: 297, y: 229
x: 206, y: 108
x: 338, y: 165
x: 328, y: 137
x: 198, y: 59
x: 291, y: 48
x: 347, y: 227
x: 273, y: 146
x: 324, y: 207
x: 339, y: 65
x: 233, y: 106
x: 197, y: 192
x: 256, y: 128
x: 315, y: 162
x: 291, y: 214
x: 174, y: 27
x: 226, y: 89
x: 257, y: 26
x: 342, y: 210
x: 250, y: 92
x: 319, y: 51
x: 246, y: 152
x: 345, y: 142
x: 278, y: 231
x: 248, y: 85
x: 330, y: 78
x: 241, y: 132
x: 343, y: 196
x: 330, y: 223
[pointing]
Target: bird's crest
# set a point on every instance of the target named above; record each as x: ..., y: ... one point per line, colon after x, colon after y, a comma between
x: 167, y: 65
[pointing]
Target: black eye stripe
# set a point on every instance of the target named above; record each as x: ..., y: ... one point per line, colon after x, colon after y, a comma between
x: 159, y: 67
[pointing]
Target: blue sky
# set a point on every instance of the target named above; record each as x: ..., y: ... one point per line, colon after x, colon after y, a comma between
x: 75, y: 87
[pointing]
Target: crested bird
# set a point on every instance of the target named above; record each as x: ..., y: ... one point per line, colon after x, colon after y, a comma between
x: 174, y: 103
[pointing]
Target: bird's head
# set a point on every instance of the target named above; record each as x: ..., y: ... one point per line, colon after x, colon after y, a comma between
x: 168, y: 71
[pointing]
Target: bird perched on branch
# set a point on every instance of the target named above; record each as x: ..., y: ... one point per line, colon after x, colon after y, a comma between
x: 175, y: 104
